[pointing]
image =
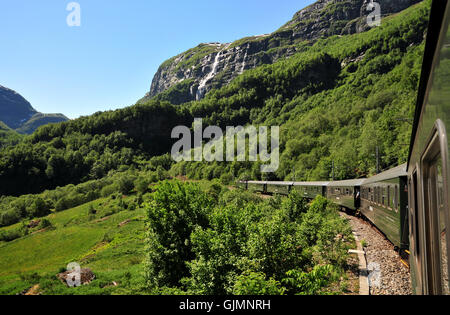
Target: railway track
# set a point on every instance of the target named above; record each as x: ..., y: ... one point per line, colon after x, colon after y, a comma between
x: 403, y: 255
x: 392, y: 275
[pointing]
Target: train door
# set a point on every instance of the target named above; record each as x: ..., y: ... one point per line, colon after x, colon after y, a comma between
x: 416, y: 234
x: 357, y: 196
x: 436, y: 212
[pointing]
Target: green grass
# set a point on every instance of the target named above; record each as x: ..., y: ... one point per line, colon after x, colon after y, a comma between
x: 97, y: 242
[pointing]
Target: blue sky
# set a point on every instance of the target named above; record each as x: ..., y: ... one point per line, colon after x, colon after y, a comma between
x: 109, y: 61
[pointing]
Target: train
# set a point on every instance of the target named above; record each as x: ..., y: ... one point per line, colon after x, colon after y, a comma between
x: 382, y: 199
x: 409, y: 204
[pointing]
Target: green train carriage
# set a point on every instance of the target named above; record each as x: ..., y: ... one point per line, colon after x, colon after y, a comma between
x: 429, y: 163
x: 384, y: 202
x: 278, y: 188
x: 311, y: 190
x: 345, y: 193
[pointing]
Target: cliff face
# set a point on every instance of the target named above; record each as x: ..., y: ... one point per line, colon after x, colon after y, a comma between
x: 17, y: 113
x: 190, y: 75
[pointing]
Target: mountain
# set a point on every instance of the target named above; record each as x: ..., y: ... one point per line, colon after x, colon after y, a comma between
x: 191, y: 74
x: 18, y: 114
x: 337, y: 102
x: 14, y: 109
x: 38, y: 120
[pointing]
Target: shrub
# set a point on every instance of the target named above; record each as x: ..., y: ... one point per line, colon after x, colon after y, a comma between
x: 9, y: 217
x: 214, y: 190
x: 253, y: 283
x: 226, y: 179
x: 126, y: 184
x: 109, y: 190
x: 238, y: 198
x: 91, y: 210
x: 220, y: 250
x: 176, y: 210
x: 11, y: 235
x: 45, y: 223
x: 141, y: 185
x: 161, y: 173
x: 61, y: 204
x: 294, y: 206
x: 39, y: 208
x: 310, y: 283
x: 277, y: 245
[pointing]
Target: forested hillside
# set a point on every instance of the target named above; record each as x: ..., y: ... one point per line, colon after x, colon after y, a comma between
x: 18, y: 114
x: 8, y: 136
x: 191, y: 74
x: 103, y: 190
x: 336, y: 101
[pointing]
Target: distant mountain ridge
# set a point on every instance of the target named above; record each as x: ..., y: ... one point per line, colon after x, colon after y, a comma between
x: 190, y: 75
x: 18, y: 114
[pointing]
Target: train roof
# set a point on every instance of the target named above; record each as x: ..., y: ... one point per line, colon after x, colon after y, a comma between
x: 280, y: 183
x: 311, y: 183
x: 395, y: 172
x: 347, y: 183
x: 256, y: 182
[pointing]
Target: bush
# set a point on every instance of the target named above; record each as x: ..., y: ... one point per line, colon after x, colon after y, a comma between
x: 244, y: 245
x: 39, y: 208
x: 9, y: 217
x: 226, y: 179
x: 220, y: 251
x: 109, y: 190
x: 310, y: 283
x: 11, y: 235
x: 176, y: 210
x: 161, y: 173
x: 45, y: 223
x: 277, y: 245
x: 61, y: 204
x: 254, y: 283
x: 141, y: 185
x: 126, y: 184
x: 214, y: 190
x: 294, y: 206
x: 91, y: 210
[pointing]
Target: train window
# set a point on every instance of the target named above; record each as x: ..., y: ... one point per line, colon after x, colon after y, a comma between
x: 442, y: 226
x: 389, y: 204
x: 396, y: 198
x: 435, y: 212
x: 381, y: 191
x: 416, y: 229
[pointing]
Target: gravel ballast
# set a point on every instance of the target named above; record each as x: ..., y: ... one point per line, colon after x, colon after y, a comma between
x: 388, y: 275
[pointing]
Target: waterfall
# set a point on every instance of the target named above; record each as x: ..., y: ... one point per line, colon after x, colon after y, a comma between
x: 243, y: 62
x: 202, y: 86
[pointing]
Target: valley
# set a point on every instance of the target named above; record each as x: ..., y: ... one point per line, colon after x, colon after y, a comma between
x: 104, y: 191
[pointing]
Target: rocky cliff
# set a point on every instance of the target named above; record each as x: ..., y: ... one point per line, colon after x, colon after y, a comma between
x: 190, y: 75
x: 17, y: 113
